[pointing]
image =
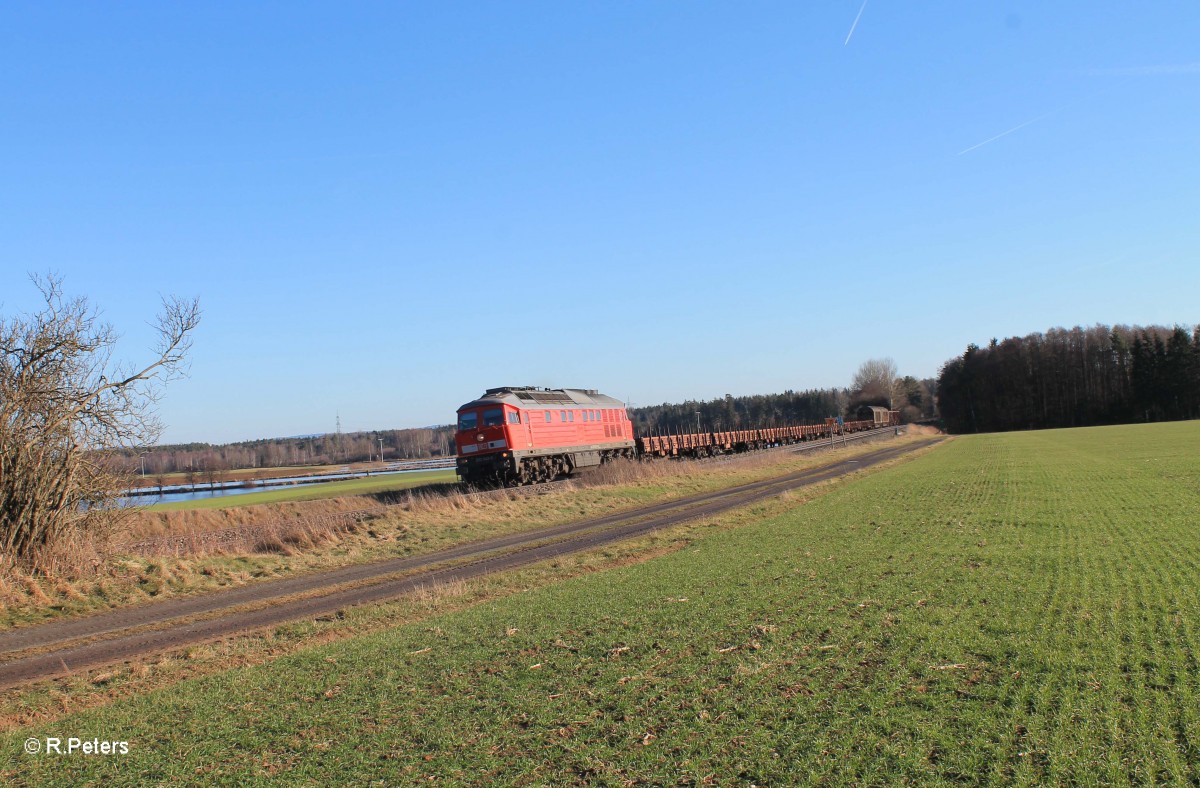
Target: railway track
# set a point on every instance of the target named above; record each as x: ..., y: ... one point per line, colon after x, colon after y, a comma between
x: 63, y: 647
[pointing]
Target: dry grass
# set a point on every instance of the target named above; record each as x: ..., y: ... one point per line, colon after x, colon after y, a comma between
x: 54, y: 571
x: 432, y: 597
x: 147, y: 523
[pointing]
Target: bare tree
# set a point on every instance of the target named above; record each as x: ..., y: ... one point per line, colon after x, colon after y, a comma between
x: 64, y: 402
x: 877, y: 379
x: 212, y: 470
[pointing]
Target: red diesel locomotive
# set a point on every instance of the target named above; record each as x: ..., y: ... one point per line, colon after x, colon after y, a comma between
x: 523, y: 434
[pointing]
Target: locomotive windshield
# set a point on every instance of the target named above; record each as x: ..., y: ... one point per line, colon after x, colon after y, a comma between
x: 493, y: 417
x: 468, y: 421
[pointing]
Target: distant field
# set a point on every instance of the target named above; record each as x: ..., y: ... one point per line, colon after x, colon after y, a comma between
x: 198, y: 478
x: 1007, y: 608
x: 309, y: 492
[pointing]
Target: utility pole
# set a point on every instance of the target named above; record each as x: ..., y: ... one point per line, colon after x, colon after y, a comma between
x: 381, y: 450
x: 697, y: 422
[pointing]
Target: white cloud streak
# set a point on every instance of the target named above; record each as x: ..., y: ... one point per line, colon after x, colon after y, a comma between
x: 853, y: 26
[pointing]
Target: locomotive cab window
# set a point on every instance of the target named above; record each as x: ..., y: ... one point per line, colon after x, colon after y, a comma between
x: 468, y: 421
x: 514, y: 417
x: 493, y: 417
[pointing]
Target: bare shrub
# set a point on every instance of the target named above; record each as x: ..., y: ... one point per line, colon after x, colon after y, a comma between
x: 64, y: 405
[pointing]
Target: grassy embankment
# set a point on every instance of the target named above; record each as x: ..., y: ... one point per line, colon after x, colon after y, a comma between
x: 424, y: 524
x: 1013, y: 607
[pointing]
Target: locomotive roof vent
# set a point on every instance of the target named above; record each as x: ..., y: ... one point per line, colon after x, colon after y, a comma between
x: 533, y: 394
x: 504, y: 389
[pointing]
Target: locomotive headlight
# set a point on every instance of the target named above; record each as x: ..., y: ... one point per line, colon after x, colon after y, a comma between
x: 481, y: 437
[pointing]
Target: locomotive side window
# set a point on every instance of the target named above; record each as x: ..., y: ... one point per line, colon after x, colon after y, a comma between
x: 514, y: 417
x: 562, y: 416
x: 493, y: 417
x: 468, y: 421
x: 548, y: 415
x: 571, y: 416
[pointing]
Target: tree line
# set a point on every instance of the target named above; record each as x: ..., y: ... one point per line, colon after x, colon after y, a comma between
x: 914, y: 398
x: 1073, y: 378
x: 327, y: 449
x: 737, y: 413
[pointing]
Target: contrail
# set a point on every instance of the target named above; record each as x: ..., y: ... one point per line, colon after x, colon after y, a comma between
x: 1003, y: 134
x: 864, y: 8
x: 1183, y: 68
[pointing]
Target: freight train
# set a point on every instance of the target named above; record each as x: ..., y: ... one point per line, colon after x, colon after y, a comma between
x: 523, y: 435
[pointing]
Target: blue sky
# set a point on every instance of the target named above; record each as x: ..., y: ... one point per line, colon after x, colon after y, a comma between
x: 386, y: 208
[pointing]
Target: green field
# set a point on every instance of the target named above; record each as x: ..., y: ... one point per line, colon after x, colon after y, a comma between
x: 1007, y: 608
x: 311, y: 492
